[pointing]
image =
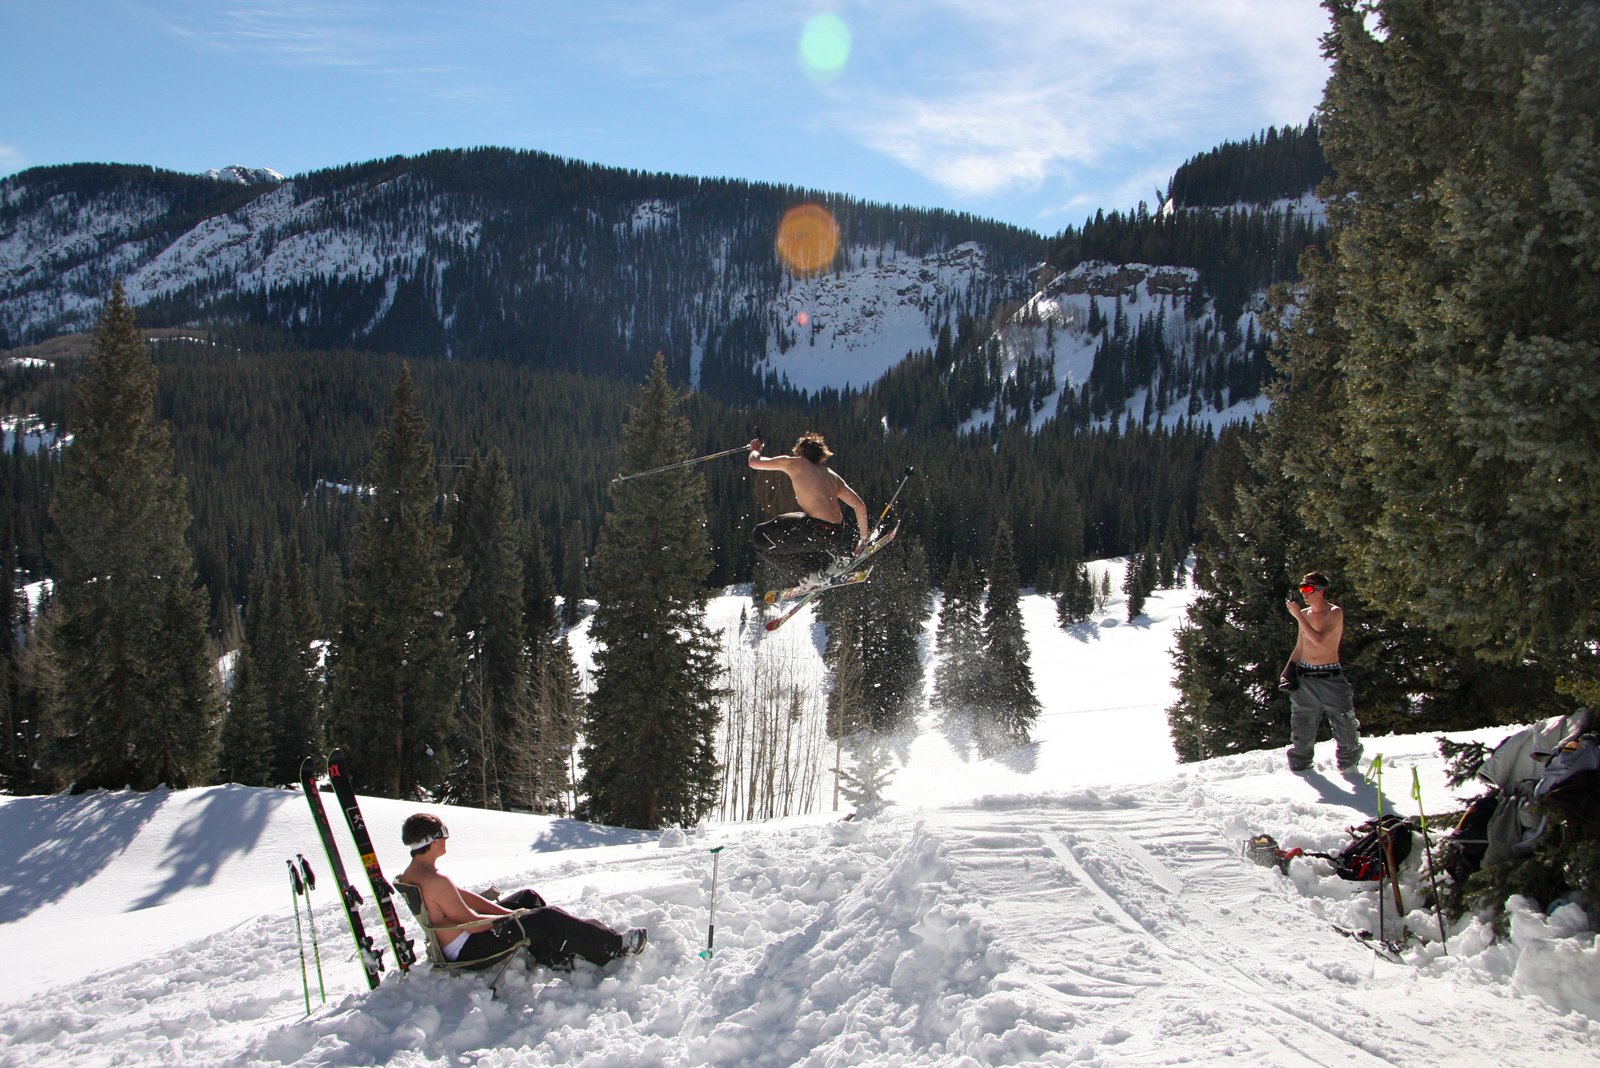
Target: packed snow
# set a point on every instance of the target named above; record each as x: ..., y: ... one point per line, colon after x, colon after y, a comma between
x: 1080, y: 901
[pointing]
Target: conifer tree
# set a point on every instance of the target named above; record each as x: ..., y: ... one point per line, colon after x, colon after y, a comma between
x: 395, y: 671
x: 286, y: 650
x: 864, y: 780
x: 495, y: 719
x: 1462, y: 469
x: 1134, y: 586
x: 959, y: 675
x: 883, y: 621
x: 557, y: 689
x: 574, y: 573
x: 244, y: 750
x: 1009, y: 705
x: 136, y: 701
x: 649, y: 755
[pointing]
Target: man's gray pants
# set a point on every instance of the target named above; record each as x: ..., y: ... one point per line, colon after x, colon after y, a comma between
x: 1314, y: 698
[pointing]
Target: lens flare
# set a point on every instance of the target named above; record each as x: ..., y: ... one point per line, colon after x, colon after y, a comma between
x: 808, y: 239
x: 825, y: 46
x: 802, y: 319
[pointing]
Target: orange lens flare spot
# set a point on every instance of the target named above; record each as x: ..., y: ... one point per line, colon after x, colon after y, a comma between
x: 802, y: 319
x: 808, y: 239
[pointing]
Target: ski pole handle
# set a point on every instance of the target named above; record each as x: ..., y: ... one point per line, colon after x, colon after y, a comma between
x: 305, y: 872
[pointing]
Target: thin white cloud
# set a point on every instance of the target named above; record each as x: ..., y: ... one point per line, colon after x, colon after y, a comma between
x: 1028, y: 90
x: 12, y: 159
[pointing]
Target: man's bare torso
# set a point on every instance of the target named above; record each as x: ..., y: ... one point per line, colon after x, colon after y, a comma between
x: 1320, y: 632
x: 816, y: 489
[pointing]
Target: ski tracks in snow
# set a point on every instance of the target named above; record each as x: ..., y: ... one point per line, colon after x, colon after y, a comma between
x: 1135, y: 934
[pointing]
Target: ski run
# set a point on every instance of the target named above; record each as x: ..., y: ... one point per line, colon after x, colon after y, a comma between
x: 1080, y: 901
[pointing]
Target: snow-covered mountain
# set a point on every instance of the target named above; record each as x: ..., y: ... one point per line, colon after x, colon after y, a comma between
x: 500, y: 255
x: 521, y: 257
x: 241, y: 175
x: 1080, y: 901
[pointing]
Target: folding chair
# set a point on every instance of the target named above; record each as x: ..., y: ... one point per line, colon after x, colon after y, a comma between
x: 499, y: 961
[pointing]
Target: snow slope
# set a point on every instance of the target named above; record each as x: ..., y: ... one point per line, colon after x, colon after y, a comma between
x: 1080, y: 901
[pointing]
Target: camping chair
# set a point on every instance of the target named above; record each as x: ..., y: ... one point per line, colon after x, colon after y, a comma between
x: 499, y: 961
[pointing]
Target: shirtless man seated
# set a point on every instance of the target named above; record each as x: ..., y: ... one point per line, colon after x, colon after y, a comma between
x: 471, y: 927
x: 809, y: 541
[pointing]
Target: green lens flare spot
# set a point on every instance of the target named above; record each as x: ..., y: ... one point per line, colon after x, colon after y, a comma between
x: 825, y: 46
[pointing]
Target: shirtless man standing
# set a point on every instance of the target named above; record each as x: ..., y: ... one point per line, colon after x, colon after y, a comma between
x: 808, y: 541
x: 1322, y: 688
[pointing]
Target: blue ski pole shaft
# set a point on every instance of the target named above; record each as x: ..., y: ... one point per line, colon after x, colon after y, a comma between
x: 711, y: 931
x: 295, y: 890
x: 311, y: 921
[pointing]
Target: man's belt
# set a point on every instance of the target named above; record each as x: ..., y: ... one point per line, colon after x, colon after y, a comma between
x: 1318, y: 671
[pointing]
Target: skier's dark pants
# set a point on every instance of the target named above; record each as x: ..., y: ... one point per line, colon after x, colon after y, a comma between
x: 553, y: 935
x: 1322, y: 692
x: 799, y: 545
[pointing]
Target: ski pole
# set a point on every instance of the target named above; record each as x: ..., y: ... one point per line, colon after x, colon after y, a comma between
x: 711, y: 932
x: 311, y: 922
x: 298, y: 888
x: 1433, y: 875
x: 1375, y: 776
x: 892, y: 498
x: 1386, y: 840
x: 687, y: 463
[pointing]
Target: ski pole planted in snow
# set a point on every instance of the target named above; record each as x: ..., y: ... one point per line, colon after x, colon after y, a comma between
x: 1427, y: 847
x: 297, y: 888
x: 311, y: 922
x: 711, y: 932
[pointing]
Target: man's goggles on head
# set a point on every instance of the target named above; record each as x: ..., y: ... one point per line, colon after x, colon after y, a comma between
x: 428, y: 839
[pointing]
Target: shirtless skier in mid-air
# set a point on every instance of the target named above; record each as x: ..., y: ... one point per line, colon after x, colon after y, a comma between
x: 812, y: 540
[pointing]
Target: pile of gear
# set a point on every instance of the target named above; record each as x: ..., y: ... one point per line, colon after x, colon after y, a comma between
x: 1542, y: 777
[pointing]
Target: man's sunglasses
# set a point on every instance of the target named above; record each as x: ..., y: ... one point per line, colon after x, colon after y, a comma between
x: 1306, y: 587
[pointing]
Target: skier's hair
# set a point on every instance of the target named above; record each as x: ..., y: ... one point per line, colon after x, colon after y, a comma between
x: 812, y: 446
x: 420, y: 831
x: 1316, y: 578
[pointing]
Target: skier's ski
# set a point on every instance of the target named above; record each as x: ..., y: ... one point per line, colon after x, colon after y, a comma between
x: 371, y: 956
x: 1388, y: 949
x: 774, y: 596
x: 849, y: 569
x: 382, y: 892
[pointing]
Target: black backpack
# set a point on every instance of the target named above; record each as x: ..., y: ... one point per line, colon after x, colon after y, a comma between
x: 1364, y: 858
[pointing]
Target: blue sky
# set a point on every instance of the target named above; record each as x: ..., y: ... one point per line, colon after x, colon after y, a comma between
x: 1035, y: 112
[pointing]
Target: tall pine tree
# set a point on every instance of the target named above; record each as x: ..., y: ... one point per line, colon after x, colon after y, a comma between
x: 883, y: 620
x: 136, y: 700
x: 1462, y: 475
x: 958, y: 678
x: 395, y: 671
x: 495, y: 720
x: 649, y: 757
x: 1009, y: 705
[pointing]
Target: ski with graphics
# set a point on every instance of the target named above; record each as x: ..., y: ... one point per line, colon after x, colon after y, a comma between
x: 845, y: 573
x: 849, y: 571
x: 371, y: 956
x: 382, y: 892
